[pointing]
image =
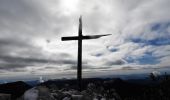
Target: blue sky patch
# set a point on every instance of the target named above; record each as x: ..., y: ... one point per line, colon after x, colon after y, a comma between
x: 148, y: 58
x: 156, y: 27
x: 160, y: 27
x: 155, y: 42
x: 163, y: 36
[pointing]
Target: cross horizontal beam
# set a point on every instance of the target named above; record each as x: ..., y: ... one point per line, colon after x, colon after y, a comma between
x: 94, y: 36
x: 70, y: 38
x: 82, y: 37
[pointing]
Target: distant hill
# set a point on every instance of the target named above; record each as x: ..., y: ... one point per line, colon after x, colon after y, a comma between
x: 33, y: 82
x: 16, y: 89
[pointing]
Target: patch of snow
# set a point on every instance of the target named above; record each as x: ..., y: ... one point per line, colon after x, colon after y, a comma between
x: 31, y: 94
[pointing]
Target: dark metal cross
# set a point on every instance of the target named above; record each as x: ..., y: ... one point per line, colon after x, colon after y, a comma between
x: 80, y: 37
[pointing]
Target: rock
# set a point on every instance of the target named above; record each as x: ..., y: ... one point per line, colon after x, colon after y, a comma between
x: 77, y: 97
x: 5, y: 96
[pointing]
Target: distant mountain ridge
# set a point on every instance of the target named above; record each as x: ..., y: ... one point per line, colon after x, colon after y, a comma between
x: 16, y: 89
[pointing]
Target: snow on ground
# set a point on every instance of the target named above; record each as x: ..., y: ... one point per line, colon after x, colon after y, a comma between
x: 31, y: 94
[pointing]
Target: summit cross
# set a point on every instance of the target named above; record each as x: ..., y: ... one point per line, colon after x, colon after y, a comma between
x: 81, y: 37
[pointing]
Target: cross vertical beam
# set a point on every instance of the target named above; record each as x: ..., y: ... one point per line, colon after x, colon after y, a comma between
x: 79, y: 64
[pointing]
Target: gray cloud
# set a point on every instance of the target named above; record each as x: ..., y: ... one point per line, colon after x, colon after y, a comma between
x: 11, y: 63
x: 88, y: 67
x: 117, y: 62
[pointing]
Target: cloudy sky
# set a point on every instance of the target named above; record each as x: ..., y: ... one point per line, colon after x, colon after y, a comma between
x: 31, y: 31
